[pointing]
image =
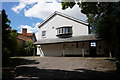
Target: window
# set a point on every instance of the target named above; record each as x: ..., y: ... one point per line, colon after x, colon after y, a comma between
x: 68, y: 30
x: 43, y: 33
x: 33, y: 39
x: 61, y: 30
x: 64, y: 31
x: 93, y: 44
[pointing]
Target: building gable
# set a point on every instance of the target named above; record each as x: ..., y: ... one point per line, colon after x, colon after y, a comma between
x: 62, y: 15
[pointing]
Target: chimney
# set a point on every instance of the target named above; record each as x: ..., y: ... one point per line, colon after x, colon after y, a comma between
x: 24, y: 31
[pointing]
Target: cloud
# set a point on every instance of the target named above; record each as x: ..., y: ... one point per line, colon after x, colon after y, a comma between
x: 30, y: 29
x: 18, y: 8
x: 23, y: 4
x: 43, y: 9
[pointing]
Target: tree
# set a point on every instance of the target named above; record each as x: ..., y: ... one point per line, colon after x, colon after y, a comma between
x: 5, y: 28
x: 5, y: 34
x: 9, y: 39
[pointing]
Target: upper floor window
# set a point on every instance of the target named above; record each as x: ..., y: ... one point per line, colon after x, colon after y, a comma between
x: 33, y: 39
x: 65, y: 31
x: 43, y: 33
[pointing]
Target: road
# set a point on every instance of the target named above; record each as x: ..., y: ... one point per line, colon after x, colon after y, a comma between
x: 64, y: 67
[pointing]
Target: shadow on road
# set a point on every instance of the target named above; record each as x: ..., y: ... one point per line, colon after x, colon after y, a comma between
x: 30, y: 72
x: 21, y: 61
x: 8, y: 72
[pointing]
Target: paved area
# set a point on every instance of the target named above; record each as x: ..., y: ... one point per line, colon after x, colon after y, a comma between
x: 64, y: 67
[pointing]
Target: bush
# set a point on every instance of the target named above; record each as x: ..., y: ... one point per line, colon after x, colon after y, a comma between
x: 118, y: 65
x: 5, y: 56
x: 26, y: 49
x: 21, y: 51
x: 29, y: 48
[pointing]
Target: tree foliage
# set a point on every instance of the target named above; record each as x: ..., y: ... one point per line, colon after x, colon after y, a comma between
x: 67, y: 4
x: 9, y: 38
x: 13, y: 42
x: 5, y: 33
x: 29, y: 48
x: 26, y: 49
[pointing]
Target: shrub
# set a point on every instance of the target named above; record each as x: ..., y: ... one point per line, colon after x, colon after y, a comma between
x: 5, y: 56
x: 29, y: 48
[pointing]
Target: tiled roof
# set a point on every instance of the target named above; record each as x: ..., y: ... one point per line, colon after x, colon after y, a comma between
x: 89, y: 37
x: 24, y: 38
x: 28, y: 34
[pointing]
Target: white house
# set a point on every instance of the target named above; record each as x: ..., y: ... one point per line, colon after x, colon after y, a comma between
x: 63, y: 35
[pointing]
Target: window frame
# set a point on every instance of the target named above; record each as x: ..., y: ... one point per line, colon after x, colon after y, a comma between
x: 44, y: 33
x: 64, y: 30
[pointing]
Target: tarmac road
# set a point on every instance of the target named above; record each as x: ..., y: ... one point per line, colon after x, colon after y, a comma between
x: 29, y: 68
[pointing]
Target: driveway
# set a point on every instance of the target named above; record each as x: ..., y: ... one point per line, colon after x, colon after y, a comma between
x: 64, y: 67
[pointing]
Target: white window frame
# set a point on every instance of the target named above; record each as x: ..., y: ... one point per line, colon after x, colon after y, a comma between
x: 64, y: 30
x: 44, y: 35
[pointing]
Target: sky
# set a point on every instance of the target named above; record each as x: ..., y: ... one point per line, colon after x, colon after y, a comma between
x: 30, y: 13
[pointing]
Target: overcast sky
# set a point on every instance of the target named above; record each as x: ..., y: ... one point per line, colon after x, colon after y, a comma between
x: 30, y: 13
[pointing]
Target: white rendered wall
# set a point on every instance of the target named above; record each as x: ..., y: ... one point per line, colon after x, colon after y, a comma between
x: 52, y: 49
x: 69, y: 49
x: 50, y: 27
